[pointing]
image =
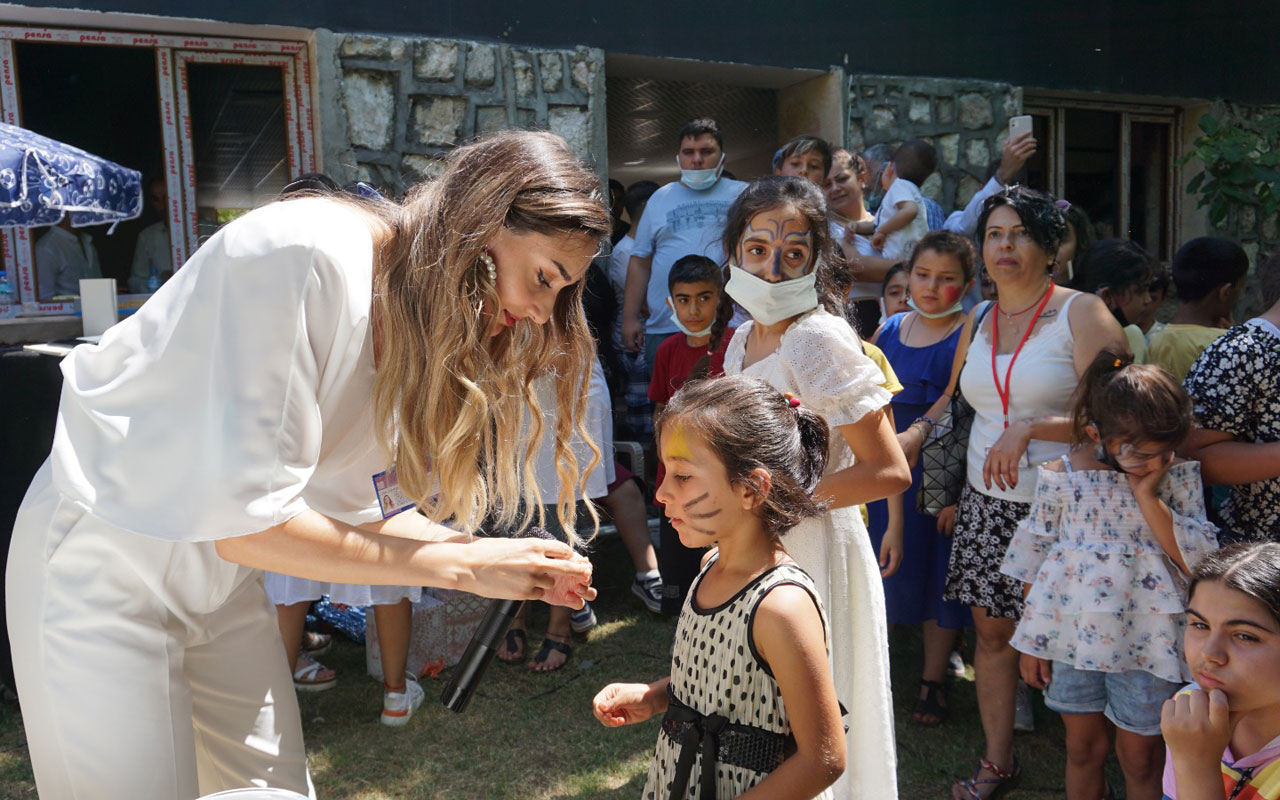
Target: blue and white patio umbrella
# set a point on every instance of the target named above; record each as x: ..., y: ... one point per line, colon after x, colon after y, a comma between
x: 41, y: 179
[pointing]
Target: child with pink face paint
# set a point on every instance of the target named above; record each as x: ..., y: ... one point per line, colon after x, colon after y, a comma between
x: 921, y: 344
x: 742, y: 461
x: 780, y: 270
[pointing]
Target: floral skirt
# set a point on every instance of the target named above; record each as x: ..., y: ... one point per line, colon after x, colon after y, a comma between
x: 984, y: 527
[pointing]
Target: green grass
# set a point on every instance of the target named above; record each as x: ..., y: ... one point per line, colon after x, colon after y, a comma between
x: 533, y: 736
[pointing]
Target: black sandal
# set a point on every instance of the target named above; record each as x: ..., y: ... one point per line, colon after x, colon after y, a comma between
x: 515, y: 638
x: 549, y: 644
x: 930, y: 705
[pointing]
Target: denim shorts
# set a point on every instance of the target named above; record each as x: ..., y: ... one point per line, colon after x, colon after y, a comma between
x: 1132, y: 700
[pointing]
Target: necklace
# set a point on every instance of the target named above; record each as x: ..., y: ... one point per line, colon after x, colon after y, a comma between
x: 1012, y: 314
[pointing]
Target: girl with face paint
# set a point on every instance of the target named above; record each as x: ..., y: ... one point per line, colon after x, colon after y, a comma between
x: 921, y: 345
x: 780, y: 270
x: 1105, y: 553
x: 742, y: 462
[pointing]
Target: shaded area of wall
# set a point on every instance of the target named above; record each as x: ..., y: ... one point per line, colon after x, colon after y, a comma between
x: 391, y: 107
x: 1173, y: 48
x: 967, y: 122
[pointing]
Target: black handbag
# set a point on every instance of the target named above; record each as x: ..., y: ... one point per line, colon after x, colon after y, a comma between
x: 944, y: 453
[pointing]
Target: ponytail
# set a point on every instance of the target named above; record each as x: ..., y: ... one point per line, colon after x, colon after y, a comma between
x: 814, y: 439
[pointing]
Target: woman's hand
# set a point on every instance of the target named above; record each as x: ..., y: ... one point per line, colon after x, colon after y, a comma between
x: 1001, y: 466
x: 625, y: 703
x: 1036, y: 672
x: 947, y: 520
x: 527, y: 569
x: 911, y: 440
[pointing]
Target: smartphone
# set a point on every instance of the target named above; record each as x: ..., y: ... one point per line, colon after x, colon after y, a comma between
x: 1019, y: 125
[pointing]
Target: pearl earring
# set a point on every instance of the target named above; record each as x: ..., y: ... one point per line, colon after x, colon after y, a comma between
x: 487, y: 260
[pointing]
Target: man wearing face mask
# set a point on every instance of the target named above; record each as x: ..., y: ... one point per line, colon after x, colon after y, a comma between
x: 682, y: 218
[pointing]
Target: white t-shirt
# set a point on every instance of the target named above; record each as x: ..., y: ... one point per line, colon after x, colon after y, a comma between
x: 151, y: 252
x: 63, y: 257
x: 599, y: 425
x: 678, y: 222
x: 240, y: 394
x: 858, y: 290
x: 899, y: 243
x: 619, y: 259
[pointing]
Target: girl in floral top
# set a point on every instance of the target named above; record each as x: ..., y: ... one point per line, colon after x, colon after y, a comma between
x: 1105, y: 552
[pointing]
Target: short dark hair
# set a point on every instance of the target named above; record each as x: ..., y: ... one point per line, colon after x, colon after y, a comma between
x: 637, y: 195
x: 1251, y: 569
x: 1269, y: 280
x: 1205, y: 263
x: 749, y: 425
x: 1117, y: 264
x: 947, y: 243
x: 894, y: 271
x: 1036, y: 211
x: 915, y: 161
x: 693, y: 268
x: 698, y: 127
x: 802, y: 144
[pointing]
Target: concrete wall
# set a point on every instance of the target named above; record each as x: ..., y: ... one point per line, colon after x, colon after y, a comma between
x: 967, y: 122
x: 391, y: 107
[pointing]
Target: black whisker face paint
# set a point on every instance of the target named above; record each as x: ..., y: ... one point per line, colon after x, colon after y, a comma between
x: 707, y: 515
x: 696, y: 500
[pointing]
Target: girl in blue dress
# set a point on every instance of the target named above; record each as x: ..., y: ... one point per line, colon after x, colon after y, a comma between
x: 921, y: 346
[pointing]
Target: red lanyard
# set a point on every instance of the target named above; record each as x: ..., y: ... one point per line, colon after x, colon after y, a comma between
x: 995, y: 341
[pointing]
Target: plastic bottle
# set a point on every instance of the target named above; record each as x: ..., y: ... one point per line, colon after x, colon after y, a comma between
x: 153, y: 281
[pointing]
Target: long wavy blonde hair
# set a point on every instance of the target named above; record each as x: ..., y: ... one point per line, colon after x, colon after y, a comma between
x: 452, y: 401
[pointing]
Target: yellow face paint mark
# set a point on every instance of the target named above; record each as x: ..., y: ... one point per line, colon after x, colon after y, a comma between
x: 677, y: 446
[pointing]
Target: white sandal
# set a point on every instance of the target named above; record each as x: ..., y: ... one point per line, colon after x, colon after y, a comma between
x: 307, y: 678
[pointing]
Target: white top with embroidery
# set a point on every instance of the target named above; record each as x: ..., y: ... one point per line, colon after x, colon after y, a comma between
x: 1104, y: 595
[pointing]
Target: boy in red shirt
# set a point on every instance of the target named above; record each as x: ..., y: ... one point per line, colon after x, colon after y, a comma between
x: 694, y: 286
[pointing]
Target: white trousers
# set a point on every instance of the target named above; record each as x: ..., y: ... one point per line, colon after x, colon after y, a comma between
x: 145, y: 668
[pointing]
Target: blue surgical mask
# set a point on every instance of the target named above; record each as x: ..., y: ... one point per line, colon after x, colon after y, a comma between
x: 959, y: 306
x: 676, y: 319
x: 700, y: 180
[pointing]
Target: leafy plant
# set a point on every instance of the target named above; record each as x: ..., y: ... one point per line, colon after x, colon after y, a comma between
x: 1241, y: 157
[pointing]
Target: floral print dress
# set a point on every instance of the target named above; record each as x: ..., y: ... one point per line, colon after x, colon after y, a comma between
x: 1105, y: 597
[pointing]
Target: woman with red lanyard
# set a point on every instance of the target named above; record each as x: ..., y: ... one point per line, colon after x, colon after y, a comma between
x: 1044, y: 337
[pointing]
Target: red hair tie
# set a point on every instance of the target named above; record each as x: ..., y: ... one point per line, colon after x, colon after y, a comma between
x: 792, y: 400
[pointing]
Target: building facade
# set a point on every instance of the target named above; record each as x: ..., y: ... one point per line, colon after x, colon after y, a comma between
x: 222, y: 113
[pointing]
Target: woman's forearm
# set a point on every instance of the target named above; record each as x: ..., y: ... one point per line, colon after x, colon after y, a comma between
x: 313, y: 546
x: 864, y: 482
x: 1048, y: 428
x: 1233, y: 463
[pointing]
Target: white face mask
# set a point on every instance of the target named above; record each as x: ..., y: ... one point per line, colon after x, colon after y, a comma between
x: 701, y: 179
x: 767, y: 302
x: 676, y: 319
x: 959, y: 306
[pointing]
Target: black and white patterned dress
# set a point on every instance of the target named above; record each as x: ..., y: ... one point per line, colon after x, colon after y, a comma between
x: 715, y: 670
x: 1235, y: 386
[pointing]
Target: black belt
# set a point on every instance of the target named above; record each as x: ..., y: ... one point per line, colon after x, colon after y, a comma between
x: 719, y: 740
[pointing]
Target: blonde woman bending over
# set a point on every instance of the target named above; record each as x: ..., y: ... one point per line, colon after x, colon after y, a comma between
x: 241, y: 421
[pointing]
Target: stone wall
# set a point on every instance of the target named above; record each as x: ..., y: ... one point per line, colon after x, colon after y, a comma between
x: 392, y: 107
x: 966, y: 121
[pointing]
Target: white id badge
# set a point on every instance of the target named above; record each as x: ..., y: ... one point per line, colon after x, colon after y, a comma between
x: 1023, y: 463
x: 391, y: 499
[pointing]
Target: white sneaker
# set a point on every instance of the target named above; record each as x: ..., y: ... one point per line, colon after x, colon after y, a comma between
x: 955, y: 664
x: 398, y: 707
x: 649, y: 590
x: 582, y: 620
x: 1023, y: 720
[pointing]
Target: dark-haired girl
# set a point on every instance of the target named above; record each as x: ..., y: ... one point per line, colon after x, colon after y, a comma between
x: 921, y: 345
x: 1120, y: 272
x: 1018, y: 371
x: 781, y: 272
x: 1223, y: 731
x: 749, y: 678
x: 1105, y: 551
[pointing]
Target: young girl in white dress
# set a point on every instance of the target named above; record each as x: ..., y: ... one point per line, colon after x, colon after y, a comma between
x: 751, y: 710
x: 1113, y: 529
x: 780, y: 257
